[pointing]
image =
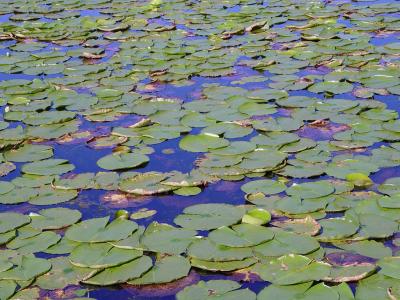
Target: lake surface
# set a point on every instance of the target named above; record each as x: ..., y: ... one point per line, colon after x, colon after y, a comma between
x: 265, y: 109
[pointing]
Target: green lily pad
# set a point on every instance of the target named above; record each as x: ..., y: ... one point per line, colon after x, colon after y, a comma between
x: 337, y: 228
x: 256, y: 216
x: 209, y: 216
x: 7, y: 288
x: 223, y: 266
x: 378, y: 286
x: 283, y: 292
x: 55, y: 218
x: 242, y: 235
x: 224, y: 289
x: 6, y: 187
x: 29, y: 153
x: 292, y: 269
x: 202, y: 142
x: 311, y: 189
x: 145, y: 184
x: 122, y: 273
x: 265, y: 186
x: 163, y: 238
x: 390, y: 266
x: 306, y: 226
x: 333, y: 87
x: 120, y: 161
x: 352, y: 272
x: 47, y: 167
x: 206, y: 249
x: 10, y: 221
x: 390, y: 186
x: 167, y: 269
x: 359, y: 180
x: 49, y: 195
x: 36, y: 243
x: 100, y: 230
x: 101, y: 255
x: 285, y: 242
x: 188, y: 191
x: 29, y: 268
x: 371, y: 248
x: 63, y: 274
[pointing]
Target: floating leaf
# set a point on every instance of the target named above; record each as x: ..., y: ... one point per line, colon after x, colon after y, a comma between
x: 62, y: 274
x: 120, y: 161
x: 209, y: 216
x: 101, y: 255
x: 266, y: 186
x: 165, y: 270
x: 122, y: 273
x: 55, y: 218
x: 100, y: 230
x: 225, y: 289
x: 292, y: 269
x: 163, y: 238
x: 242, y: 235
x: 202, y: 142
x: 10, y: 221
x: 256, y: 216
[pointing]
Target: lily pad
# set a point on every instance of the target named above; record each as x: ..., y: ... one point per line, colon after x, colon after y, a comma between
x: 55, y: 218
x: 242, y: 235
x: 202, y: 142
x: 265, y: 186
x: 101, y: 255
x: 120, y: 161
x: 292, y: 269
x: 167, y: 269
x: 10, y: 221
x: 163, y: 238
x: 122, y: 273
x: 209, y: 216
x: 100, y: 230
x: 225, y: 289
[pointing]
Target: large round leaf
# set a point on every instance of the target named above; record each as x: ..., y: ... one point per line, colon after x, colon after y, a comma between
x: 120, y: 161
x: 100, y: 230
x: 209, y: 216
x: 101, y: 255
x: 166, y: 269
x: 202, y: 142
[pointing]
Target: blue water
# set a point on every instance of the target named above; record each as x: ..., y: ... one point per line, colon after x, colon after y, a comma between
x: 168, y: 206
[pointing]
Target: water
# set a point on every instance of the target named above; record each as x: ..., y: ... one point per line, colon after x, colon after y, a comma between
x: 91, y: 202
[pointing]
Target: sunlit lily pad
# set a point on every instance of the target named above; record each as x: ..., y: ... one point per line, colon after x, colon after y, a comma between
x: 292, y: 269
x: 119, y: 161
x: 390, y: 266
x: 55, y: 218
x: 101, y: 255
x: 10, y: 221
x: 205, y: 249
x: 122, y: 273
x: 266, y: 186
x: 48, y: 167
x: 215, y: 288
x: 163, y: 238
x: 62, y: 274
x: 202, y: 142
x: 209, y: 216
x: 100, y: 230
x: 28, y: 268
x: 242, y: 235
x: 311, y: 189
x: 165, y: 270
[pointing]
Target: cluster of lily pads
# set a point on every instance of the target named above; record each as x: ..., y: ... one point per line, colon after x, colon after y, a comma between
x: 292, y: 100
x: 288, y: 254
